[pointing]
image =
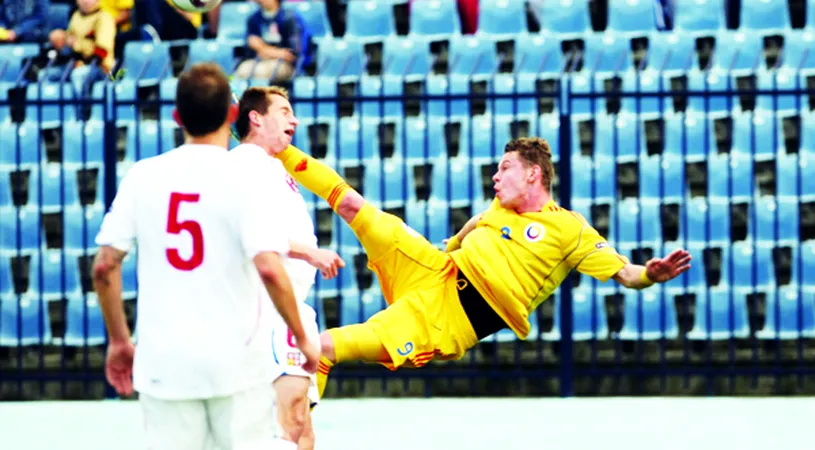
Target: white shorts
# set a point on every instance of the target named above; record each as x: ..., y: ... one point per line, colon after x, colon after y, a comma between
x: 287, y: 357
x: 243, y: 421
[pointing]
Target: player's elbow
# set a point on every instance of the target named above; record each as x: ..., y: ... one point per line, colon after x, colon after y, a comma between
x: 270, y: 268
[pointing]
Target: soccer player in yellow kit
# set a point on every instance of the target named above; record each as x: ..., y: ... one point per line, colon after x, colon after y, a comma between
x: 495, y: 272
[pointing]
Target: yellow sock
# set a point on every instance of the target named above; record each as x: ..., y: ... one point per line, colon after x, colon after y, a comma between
x: 322, y: 374
x: 314, y: 175
x: 356, y: 342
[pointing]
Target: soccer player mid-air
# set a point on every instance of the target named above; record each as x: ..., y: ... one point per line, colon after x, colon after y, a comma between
x: 265, y: 126
x: 497, y: 269
x: 209, y: 239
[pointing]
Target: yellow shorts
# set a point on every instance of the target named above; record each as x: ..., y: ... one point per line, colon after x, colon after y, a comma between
x: 424, y: 318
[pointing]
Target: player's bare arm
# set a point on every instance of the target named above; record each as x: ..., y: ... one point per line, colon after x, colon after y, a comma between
x: 328, y: 262
x: 656, y: 270
x: 107, y: 282
x: 278, y: 285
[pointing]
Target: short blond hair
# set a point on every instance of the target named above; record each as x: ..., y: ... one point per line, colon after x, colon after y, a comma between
x: 535, y: 151
x: 256, y: 98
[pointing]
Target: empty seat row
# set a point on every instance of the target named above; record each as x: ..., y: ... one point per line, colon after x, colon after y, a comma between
x: 24, y: 230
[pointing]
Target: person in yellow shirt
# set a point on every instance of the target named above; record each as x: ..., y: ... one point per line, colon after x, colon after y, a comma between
x: 120, y: 10
x: 90, y: 36
x: 496, y: 270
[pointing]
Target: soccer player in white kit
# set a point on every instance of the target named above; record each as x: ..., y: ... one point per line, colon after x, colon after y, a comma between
x: 209, y: 240
x: 265, y: 125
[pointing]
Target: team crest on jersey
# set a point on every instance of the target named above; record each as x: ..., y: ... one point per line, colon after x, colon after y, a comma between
x: 505, y: 233
x: 293, y: 359
x: 534, y: 232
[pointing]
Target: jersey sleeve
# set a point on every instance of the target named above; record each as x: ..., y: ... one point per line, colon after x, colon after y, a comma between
x: 118, y: 228
x: 591, y: 255
x: 263, y: 212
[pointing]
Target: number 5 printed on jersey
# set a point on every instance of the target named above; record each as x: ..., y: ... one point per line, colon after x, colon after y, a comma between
x: 190, y: 226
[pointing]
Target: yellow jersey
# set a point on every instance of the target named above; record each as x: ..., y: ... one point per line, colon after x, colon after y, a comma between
x: 516, y: 261
x: 114, y: 8
x: 95, y: 35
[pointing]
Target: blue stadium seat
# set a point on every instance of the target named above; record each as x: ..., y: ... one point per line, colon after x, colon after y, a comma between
x: 419, y: 145
x: 130, y: 281
x: 26, y: 222
x: 7, y: 286
x: 389, y: 183
x: 518, y: 84
x: 607, y: 53
x: 600, y: 185
x: 80, y: 225
x: 690, y: 135
x: 306, y: 138
x: 565, y: 19
x: 448, y: 85
x: 662, y: 178
x: 166, y: 90
x: 369, y: 20
x: 634, y: 223
x: 218, y: 52
x: 12, y: 60
x: 84, y: 324
x: 24, y: 321
x: 22, y: 146
x: 549, y: 129
x: 714, y: 81
x: 147, y: 62
x: 59, y: 187
x: 752, y: 266
x: 764, y: 15
x: 316, y: 88
x: 635, y: 17
x: 60, y: 275
x: 502, y: 18
x: 587, y: 83
x: 775, y: 221
x: 807, y: 133
x: 700, y: 17
x: 5, y: 109
x: 315, y: 17
x: 6, y: 190
x: 803, y: 264
x: 618, y: 136
x: 538, y: 55
x: 589, y: 319
x: 472, y: 56
x: 430, y: 219
x: 790, y: 314
x: 232, y: 25
x: 406, y: 57
x: 780, y: 80
x: 83, y: 144
x: 797, y: 51
x: 705, y: 221
x: 59, y: 15
x: 649, y: 315
x: 758, y: 134
x: 731, y: 177
x: 453, y: 182
x: 53, y: 114
x: 435, y: 19
x: 340, y: 57
x: 644, y: 82
x: 144, y: 141
x: 358, y: 143
x: 712, y: 315
x: 484, y: 138
x: 670, y: 53
x: 737, y: 51
x: 787, y: 173
x: 372, y: 301
x: 122, y: 98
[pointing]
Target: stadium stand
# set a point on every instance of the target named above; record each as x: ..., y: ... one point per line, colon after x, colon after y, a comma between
x: 668, y: 141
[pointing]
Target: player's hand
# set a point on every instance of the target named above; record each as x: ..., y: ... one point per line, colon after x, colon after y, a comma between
x: 328, y: 262
x: 312, y: 353
x: 665, y: 269
x: 119, y: 367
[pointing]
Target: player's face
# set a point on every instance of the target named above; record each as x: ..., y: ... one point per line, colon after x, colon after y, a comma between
x: 511, y: 180
x: 279, y: 124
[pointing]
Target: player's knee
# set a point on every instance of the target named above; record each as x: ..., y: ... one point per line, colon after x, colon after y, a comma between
x: 327, y: 346
x: 350, y: 205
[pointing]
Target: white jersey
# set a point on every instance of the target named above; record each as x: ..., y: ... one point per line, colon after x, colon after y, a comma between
x: 198, y: 219
x: 294, y: 215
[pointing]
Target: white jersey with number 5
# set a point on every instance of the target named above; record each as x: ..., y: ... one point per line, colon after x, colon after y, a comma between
x: 198, y: 218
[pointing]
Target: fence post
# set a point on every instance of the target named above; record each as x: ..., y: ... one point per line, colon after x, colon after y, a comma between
x: 565, y: 174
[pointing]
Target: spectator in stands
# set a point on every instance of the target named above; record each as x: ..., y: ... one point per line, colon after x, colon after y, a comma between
x: 90, y: 37
x: 278, y: 42
x: 121, y: 11
x: 23, y: 20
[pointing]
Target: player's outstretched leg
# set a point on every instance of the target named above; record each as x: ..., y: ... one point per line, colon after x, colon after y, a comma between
x: 356, y: 342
